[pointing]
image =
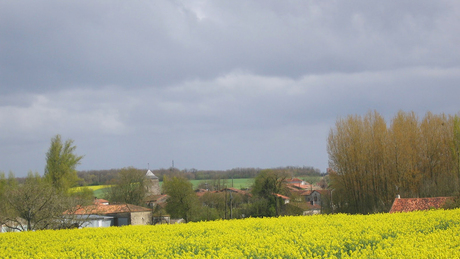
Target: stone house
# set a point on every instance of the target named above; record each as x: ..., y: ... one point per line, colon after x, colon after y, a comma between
x: 312, y: 197
x: 117, y: 214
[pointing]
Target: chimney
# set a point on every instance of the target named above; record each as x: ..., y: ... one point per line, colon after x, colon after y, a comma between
x: 398, y: 196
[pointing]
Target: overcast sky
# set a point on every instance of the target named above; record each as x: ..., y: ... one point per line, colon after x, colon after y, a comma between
x: 214, y: 84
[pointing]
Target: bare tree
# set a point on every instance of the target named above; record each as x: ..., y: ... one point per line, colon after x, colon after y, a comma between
x: 371, y: 162
x: 37, y: 205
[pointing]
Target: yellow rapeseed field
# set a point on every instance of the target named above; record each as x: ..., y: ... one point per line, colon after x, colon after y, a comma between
x: 429, y: 234
x: 94, y: 188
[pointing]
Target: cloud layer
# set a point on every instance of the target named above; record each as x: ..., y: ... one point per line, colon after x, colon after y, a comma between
x: 214, y: 84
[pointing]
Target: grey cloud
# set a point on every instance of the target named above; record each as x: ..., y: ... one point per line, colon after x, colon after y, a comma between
x: 214, y: 84
x: 53, y: 45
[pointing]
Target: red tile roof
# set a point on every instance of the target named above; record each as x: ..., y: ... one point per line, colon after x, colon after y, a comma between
x: 413, y: 204
x: 306, y: 193
x: 201, y: 192
x: 299, y: 186
x: 110, y: 209
x: 282, y: 196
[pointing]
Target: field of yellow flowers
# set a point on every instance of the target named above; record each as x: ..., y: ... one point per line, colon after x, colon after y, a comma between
x: 429, y: 234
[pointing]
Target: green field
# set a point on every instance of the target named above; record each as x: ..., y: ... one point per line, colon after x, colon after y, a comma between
x: 99, y: 190
x: 237, y: 183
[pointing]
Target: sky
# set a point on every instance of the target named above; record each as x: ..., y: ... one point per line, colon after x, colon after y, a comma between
x: 214, y: 85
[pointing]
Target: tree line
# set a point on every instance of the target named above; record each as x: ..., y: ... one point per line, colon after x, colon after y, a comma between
x: 371, y: 161
x: 216, y: 202
x: 101, y: 177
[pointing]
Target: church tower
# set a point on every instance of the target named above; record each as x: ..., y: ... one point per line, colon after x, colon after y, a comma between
x: 153, y: 184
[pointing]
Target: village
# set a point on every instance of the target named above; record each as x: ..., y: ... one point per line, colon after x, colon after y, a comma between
x: 104, y: 214
x: 310, y: 198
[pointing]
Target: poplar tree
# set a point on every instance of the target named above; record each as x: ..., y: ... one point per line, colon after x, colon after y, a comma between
x: 456, y: 145
x: 371, y: 162
x: 61, y: 163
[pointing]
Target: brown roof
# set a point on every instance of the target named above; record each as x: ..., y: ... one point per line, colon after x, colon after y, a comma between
x: 110, y: 209
x: 282, y: 196
x: 200, y: 192
x: 299, y: 186
x: 412, y: 204
x: 293, y: 187
x: 323, y: 192
x: 156, y: 198
x: 307, y: 193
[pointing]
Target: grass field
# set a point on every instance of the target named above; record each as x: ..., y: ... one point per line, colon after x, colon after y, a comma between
x: 99, y: 190
x: 237, y: 183
x: 428, y: 234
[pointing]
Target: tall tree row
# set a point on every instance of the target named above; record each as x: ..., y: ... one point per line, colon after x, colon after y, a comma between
x: 372, y: 161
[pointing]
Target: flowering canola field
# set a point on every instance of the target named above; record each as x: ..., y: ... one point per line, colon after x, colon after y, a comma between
x: 430, y: 234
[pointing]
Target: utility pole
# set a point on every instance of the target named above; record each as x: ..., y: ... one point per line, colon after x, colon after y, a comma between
x: 332, y: 203
x: 231, y: 201
x: 225, y: 202
x: 231, y: 205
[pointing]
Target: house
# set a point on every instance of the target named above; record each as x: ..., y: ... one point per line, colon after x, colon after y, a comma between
x: 200, y: 192
x: 312, y: 197
x: 307, y: 208
x: 118, y: 214
x: 414, y: 204
x: 285, y: 198
x: 295, y: 181
x: 312, y: 210
x: 157, y: 203
x: 96, y: 221
x: 153, y: 200
x: 298, y: 183
x: 11, y: 226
